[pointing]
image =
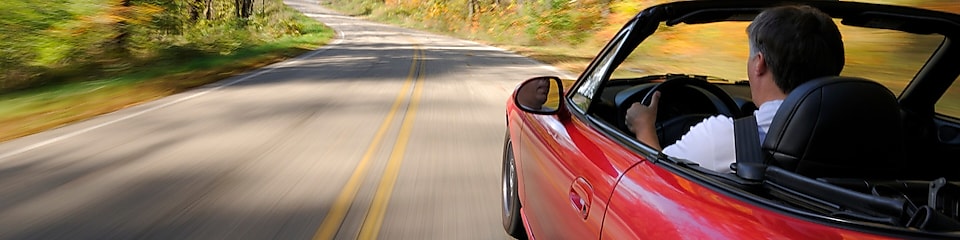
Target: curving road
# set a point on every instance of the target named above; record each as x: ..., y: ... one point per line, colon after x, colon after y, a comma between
x: 386, y: 133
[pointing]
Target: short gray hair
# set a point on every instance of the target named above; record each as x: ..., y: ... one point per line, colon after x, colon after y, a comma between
x: 798, y: 42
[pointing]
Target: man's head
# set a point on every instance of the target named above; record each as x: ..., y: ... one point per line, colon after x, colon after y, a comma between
x: 797, y: 44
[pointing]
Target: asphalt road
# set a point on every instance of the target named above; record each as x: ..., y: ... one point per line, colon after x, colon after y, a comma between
x: 385, y: 133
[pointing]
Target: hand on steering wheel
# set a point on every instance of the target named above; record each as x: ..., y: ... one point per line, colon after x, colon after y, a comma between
x: 641, y: 119
x: 655, y: 127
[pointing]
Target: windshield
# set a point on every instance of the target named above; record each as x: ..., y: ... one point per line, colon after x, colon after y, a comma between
x: 720, y: 50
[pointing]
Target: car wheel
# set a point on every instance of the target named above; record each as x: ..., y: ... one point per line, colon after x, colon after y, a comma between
x: 511, y: 201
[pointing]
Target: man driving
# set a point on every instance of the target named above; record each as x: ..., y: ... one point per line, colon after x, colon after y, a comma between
x: 789, y: 45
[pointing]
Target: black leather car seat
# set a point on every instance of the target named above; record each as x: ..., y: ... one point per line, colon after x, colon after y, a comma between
x: 837, y: 127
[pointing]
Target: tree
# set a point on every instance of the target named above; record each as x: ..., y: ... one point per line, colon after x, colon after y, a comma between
x: 119, y: 43
x: 471, y: 9
x: 244, y: 8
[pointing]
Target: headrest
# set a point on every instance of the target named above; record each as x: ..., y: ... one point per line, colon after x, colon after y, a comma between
x: 837, y: 127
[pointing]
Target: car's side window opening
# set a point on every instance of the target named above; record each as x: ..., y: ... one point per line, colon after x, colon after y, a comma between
x: 583, y: 95
x: 715, y: 49
x: 949, y: 104
x: 889, y: 57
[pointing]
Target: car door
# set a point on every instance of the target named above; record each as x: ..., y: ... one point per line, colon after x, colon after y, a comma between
x: 568, y: 169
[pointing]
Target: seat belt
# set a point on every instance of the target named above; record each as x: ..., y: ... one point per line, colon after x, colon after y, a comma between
x: 750, y: 161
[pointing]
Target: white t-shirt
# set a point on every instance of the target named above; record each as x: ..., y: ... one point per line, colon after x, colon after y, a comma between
x: 711, y: 143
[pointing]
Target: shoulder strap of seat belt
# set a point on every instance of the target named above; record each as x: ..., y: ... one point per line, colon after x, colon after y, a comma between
x: 750, y: 162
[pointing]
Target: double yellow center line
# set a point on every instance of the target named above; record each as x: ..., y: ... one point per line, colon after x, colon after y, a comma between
x: 374, y: 218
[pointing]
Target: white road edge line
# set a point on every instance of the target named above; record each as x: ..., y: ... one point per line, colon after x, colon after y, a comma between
x: 267, y: 69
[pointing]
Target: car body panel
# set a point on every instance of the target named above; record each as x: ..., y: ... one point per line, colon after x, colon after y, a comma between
x: 676, y: 208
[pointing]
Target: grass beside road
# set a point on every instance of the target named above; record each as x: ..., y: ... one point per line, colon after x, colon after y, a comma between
x: 34, y: 110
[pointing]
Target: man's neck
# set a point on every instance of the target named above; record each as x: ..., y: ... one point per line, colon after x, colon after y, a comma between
x: 764, y: 89
x: 768, y: 96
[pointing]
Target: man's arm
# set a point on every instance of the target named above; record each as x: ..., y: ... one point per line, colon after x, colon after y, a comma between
x: 641, y: 121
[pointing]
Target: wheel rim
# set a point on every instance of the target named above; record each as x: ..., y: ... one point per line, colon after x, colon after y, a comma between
x: 509, y: 183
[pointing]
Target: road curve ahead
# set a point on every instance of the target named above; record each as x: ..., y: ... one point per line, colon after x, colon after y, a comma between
x: 386, y: 133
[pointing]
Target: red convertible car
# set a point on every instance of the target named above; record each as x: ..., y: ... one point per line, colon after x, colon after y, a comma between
x: 871, y: 154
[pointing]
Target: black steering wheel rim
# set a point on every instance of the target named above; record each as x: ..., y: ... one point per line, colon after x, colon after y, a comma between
x: 670, y: 130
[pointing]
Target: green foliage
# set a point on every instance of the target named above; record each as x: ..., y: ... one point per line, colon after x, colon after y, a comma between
x: 564, y: 21
x: 165, y: 63
x: 45, y: 42
x: 23, y: 22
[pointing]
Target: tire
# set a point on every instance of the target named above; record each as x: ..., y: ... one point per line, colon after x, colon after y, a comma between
x: 512, y: 223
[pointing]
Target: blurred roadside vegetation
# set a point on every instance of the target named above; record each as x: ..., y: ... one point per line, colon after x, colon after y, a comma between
x: 569, y: 33
x: 67, y: 60
x: 562, y: 33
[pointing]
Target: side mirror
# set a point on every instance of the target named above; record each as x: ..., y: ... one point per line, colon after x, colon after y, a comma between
x: 540, y: 95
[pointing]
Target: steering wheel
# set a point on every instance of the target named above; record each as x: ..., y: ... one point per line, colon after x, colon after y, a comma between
x: 678, y: 110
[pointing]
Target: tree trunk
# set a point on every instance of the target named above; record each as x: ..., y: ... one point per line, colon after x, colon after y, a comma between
x: 114, y: 50
x: 209, y: 9
x: 244, y: 8
x: 472, y: 9
x: 123, y: 34
x: 195, y: 11
x: 497, y: 3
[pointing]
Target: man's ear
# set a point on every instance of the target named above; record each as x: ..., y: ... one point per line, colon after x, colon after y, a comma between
x: 760, y: 65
